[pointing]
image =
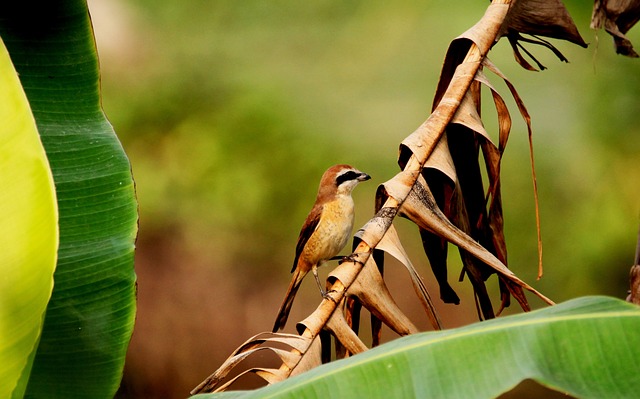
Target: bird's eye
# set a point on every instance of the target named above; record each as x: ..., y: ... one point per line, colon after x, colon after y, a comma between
x: 346, y: 176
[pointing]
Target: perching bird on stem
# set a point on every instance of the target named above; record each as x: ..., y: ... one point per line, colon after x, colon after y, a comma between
x: 325, y: 232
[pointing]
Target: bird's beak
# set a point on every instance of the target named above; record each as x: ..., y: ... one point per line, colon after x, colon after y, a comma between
x: 363, y: 177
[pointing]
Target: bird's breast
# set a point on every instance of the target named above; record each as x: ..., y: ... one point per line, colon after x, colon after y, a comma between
x: 333, y: 231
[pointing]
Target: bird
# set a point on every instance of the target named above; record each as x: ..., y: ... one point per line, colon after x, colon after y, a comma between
x: 325, y: 232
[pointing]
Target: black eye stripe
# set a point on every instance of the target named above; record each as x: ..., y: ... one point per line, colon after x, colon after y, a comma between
x: 350, y: 175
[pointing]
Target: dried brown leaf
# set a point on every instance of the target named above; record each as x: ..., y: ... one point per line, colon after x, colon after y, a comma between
x: 352, y: 312
x: 504, y: 116
x: 471, y: 214
x: 435, y: 247
x: 298, y: 344
x: 372, y: 292
x: 491, y: 224
x: 527, y: 119
x: 391, y: 244
x: 311, y: 358
x: 440, y: 158
x: 460, y: 67
x: 421, y: 208
x: 376, y: 323
x: 461, y: 63
x: 341, y: 330
x: 353, y: 307
x: 422, y: 142
x: 617, y: 17
x: 467, y: 115
x: 271, y: 376
x: 474, y: 268
x: 548, y: 18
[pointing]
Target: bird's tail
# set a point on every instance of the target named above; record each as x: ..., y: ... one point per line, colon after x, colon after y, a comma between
x: 285, y: 308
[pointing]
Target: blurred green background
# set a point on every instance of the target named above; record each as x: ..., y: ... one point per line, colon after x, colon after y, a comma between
x: 231, y: 110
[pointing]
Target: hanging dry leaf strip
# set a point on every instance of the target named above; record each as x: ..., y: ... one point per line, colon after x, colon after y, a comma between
x: 617, y: 17
x: 527, y: 119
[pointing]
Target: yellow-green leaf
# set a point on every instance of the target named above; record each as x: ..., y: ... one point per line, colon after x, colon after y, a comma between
x: 28, y: 230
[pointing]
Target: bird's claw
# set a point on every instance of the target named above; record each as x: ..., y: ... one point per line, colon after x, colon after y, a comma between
x: 350, y: 258
x: 325, y: 295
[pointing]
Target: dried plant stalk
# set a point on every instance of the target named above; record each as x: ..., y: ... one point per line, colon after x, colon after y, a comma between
x: 425, y: 155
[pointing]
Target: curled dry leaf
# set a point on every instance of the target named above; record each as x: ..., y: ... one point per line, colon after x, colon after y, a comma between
x: 391, y: 244
x: 436, y: 249
x: 473, y: 268
x: 302, y: 356
x: 617, y: 17
x: 471, y: 215
x: 420, y: 208
x: 353, y: 308
x: 340, y: 329
x: 440, y: 172
x: 372, y: 292
x: 527, y: 119
x: 468, y: 135
x: 440, y: 158
x: 460, y: 68
x: 472, y: 196
x: 548, y: 18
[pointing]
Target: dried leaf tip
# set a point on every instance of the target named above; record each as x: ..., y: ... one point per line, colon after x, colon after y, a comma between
x: 617, y: 17
x: 539, y: 18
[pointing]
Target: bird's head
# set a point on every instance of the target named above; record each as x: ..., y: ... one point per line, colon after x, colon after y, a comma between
x: 341, y: 179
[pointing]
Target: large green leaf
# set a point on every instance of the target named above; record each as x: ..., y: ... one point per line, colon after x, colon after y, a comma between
x: 28, y: 230
x: 587, y: 347
x: 90, y: 317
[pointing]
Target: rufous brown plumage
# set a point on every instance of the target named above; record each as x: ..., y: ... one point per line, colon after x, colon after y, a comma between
x: 325, y: 231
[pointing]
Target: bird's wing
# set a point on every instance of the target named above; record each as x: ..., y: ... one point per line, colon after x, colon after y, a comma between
x: 308, y: 228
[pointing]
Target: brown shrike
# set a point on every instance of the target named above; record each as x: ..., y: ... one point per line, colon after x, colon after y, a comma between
x: 325, y: 232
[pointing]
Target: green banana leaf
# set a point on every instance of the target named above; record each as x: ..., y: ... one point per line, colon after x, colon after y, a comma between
x: 90, y: 317
x: 28, y: 230
x: 587, y: 347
